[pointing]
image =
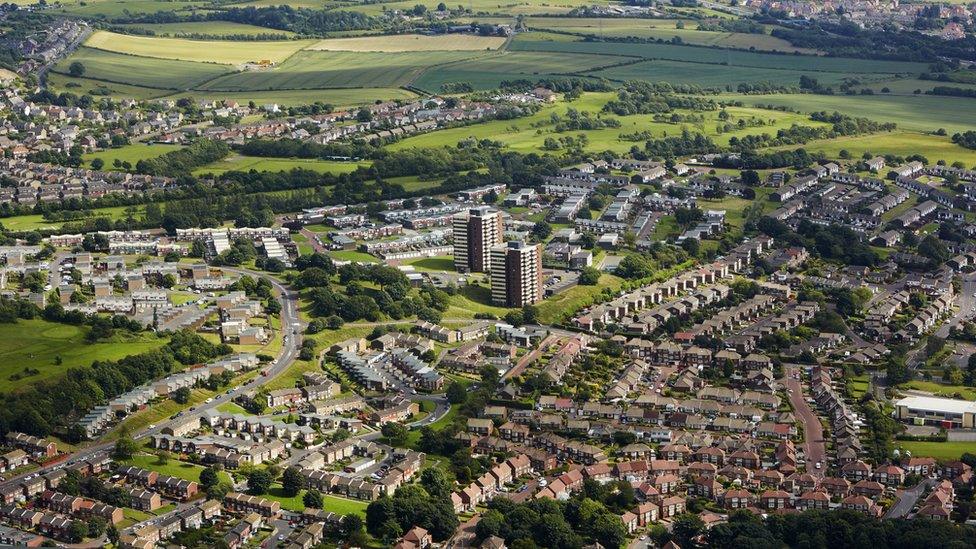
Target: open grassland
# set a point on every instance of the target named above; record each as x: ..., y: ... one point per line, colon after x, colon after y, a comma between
x: 943, y: 451
x: 564, y: 304
x: 410, y: 42
x: 488, y: 71
x: 319, y: 69
x: 245, y: 163
x: 933, y: 147
x: 922, y: 113
x: 213, y: 28
x: 528, y: 134
x: 172, y: 467
x: 163, y: 74
x: 908, y: 86
x: 521, y: 7
x: 36, y: 344
x: 129, y: 153
x: 664, y: 29
x: 693, y: 54
x: 339, y: 97
x: 117, y: 8
x: 205, y: 51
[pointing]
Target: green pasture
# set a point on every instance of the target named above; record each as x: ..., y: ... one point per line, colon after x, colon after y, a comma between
x: 141, y: 71
x: 247, y: 163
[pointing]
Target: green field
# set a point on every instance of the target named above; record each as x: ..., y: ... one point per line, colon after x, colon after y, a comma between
x: 36, y: 344
x: 245, y: 163
x: 488, y: 71
x: 710, y: 76
x: 60, y: 83
x: 336, y: 504
x: 163, y: 74
x: 923, y: 113
x: 214, y: 28
x: 339, y: 97
x: 410, y: 42
x: 117, y: 8
x: 225, y: 52
x: 477, y: 6
x: 947, y: 391
x: 943, y: 451
x: 129, y: 153
x: 341, y: 69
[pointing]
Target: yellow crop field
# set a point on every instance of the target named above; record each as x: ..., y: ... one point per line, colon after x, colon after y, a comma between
x: 411, y: 42
x: 204, y: 51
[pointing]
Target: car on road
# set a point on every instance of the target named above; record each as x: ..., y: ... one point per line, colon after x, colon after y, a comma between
x: 818, y: 465
x: 152, y: 425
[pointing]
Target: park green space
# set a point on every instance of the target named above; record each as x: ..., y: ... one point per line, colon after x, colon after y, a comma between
x: 36, y: 344
x: 560, y: 306
x: 227, y: 52
x: 342, y: 506
x: 145, y: 72
x: 471, y: 300
x: 247, y: 163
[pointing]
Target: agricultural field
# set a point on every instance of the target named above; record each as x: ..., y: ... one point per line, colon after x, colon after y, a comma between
x: 488, y: 71
x: 59, y: 83
x: 203, y: 51
x: 495, y: 7
x: 410, y: 42
x: 36, y: 344
x: 710, y: 76
x: 694, y: 54
x: 921, y: 113
x: 664, y: 29
x: 163, y: 74
x: 339, y: 97
x: 213, y: 28
x: 117, y: 8
x: 320, y: 69
x: 244, y: 163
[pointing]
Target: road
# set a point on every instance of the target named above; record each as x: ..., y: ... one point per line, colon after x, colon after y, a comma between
x: 907, y: 498
x: 966, y: 301
x: 814, y: 446
x: 290, y: 321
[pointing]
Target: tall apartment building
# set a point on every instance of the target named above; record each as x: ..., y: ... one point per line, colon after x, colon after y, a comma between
x: 476, y: 232
x: 516, y: 274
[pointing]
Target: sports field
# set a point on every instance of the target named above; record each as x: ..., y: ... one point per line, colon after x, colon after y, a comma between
x: 410, y: 42
x: 204, y: 51
x: 36, y: 344
x: 144, y: 72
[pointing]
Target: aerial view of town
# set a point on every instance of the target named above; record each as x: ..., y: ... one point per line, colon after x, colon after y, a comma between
x: 527, y: 274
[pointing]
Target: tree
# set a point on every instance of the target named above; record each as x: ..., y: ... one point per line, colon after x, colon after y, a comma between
x: 291, y: 482
x: 76, y: 69
x: 181, y: 395
x: 97, y: 164
x: 686, y: 528
x: 77, y: 531
x: 125, y: 447
x: 313, y: 499
x: 436, y: 483
x: 395, y: 433
x: 457, y: 394
x: 209, y: 478
x: 589, y: 277
x: 259, y: 482
x: 541, y: 230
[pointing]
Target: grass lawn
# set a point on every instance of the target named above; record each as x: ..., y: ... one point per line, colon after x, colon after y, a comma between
x: 439, y: 263
x: 36, y: 344
x: 945, y: 451
x: 172, y: 468
x: 352, y: 255
x: 232, y: 408
x: 902, y: 143
x: 342, y: 506
x: 560, y: 306
x: 471, y: 300
x: 949, y: 391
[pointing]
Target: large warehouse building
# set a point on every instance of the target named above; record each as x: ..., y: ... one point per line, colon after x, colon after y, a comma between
x: 942, y: 412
